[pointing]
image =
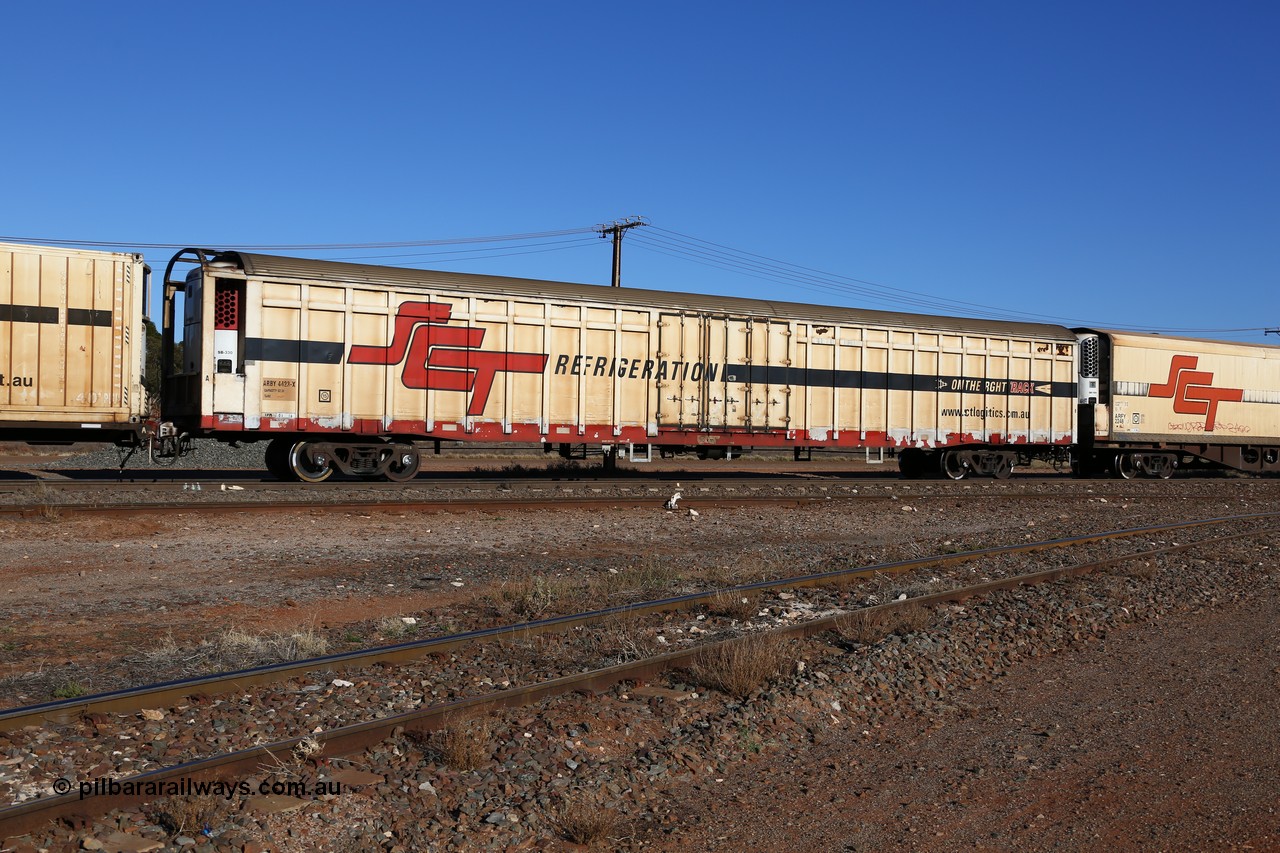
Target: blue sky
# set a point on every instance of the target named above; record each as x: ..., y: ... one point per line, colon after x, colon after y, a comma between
x: 1101, y: 163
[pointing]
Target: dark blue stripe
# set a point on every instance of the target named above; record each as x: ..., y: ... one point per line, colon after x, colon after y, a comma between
x: 28, y: 314
x: 293, y: 352
x: 88, y: 317
x: 756, y: 374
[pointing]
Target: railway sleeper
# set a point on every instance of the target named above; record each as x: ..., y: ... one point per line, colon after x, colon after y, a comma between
x: 315, y: 461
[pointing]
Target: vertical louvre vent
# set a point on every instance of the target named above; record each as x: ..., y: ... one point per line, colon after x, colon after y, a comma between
x: 226, y: 308
x: 1089, y: 350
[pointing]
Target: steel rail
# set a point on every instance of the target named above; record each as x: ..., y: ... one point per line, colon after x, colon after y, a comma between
x: 130, y: 700
x: 346, y: 740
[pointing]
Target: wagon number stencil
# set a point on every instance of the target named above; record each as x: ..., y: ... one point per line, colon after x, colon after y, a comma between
x: 441, y: 357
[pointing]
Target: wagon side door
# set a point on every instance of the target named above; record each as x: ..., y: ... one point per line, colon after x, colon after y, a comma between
x: 680, y: 399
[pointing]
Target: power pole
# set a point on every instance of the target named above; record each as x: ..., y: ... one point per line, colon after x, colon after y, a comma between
x: 617, y: 228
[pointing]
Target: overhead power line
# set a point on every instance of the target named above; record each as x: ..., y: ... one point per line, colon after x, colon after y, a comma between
x: 299, y: 247
x: 772, y: 269
x: 505, y: 252
x: 673, y: 244
x: 753, y: 265
x: 440, y: 256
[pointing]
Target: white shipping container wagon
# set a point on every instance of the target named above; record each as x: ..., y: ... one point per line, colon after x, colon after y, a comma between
x: 323, y: 353
x: 72, y: 344
x: 1166, y: 396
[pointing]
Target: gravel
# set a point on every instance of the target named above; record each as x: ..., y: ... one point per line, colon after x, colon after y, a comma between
x: 834, y: 753
x: 208, y: 455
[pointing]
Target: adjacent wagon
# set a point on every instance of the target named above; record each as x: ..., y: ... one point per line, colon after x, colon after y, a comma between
x: 1150, y: 401
x: 72, y: 345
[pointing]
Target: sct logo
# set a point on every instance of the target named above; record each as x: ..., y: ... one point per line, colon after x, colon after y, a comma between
x: 1192, y: 390
x: 443, y: 357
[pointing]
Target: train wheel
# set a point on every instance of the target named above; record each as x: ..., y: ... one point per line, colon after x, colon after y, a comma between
x: 953, y: 466
x: 1122, y: 466
x: 277, y: 458
x: 305, y: 468
x: 1165, y: 466
x: 405, y: 464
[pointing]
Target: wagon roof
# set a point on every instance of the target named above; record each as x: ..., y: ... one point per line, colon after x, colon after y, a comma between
x: 277, y: 267
x: 1272, y: 349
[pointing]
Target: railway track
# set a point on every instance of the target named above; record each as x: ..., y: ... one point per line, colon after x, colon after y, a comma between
x: 509, y: 495
x: 345, y: 739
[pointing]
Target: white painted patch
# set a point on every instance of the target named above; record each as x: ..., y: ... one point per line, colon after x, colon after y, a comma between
x: 818, y: 434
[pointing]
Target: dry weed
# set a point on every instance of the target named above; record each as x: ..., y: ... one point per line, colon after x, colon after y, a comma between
x: 650, y: 574
x: 871, y: 625
x: 586, y: 822
x: 48, y: 509
x: 164, y: 649
x: 863, y: 626
x: 537, y: 596
x: 608, y: 585
x: 740, y: 666
x: 463, y: 743
x: 759, y: 567
x: 719, y: 576
x: 914, y: 589
x: 306, y: 748
x: 912, y: 618
x: 734, y: 604
x: 622, y: 637
x: 394, y: 627
x: 238, y: 649
x: 654, y: 573
x: 883, y: 585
